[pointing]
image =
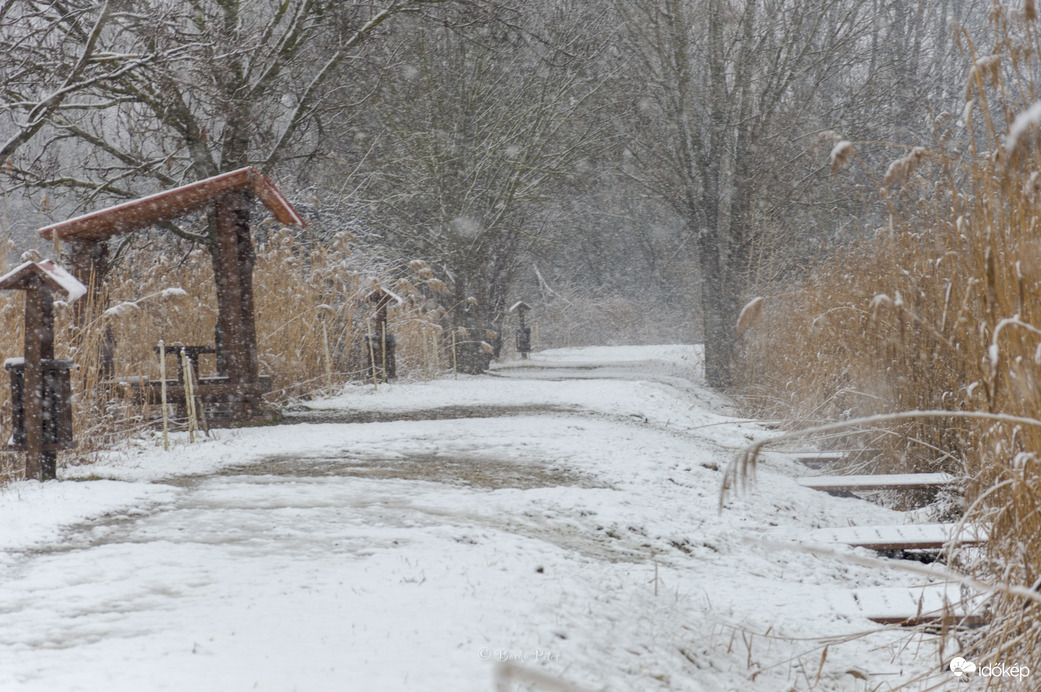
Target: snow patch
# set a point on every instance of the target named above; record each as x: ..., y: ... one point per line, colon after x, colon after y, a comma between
x: 1022, y: 123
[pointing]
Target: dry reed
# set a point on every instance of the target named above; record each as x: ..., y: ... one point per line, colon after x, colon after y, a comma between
x: 940, y: 311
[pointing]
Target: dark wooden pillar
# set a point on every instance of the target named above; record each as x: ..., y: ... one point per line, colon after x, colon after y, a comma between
x: 236, y: 326
x: 523, y: 331
x: 383, y: 351
x: 48, y: 458
x: 523, y: 335
x: 39, y: 345
x: 381, y: 316
x: 88, y: 261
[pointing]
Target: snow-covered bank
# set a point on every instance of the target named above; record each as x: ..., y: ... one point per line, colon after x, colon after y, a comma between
x: 573, y: 528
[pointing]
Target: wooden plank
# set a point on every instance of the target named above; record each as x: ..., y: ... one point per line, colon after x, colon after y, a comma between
x: 209, y: 390
x: 904, y: 537
x: 821, y: 457
x: 834, y: 456
x: 893, y: 481
x: 930, y: 618
x: 924, y: 605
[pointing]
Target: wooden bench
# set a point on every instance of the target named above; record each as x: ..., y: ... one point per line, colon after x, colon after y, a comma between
x: 192, y: 353
x: 894, y: 481
x: 209, y: 390
x: 213, y: 392
x: 901, y: 537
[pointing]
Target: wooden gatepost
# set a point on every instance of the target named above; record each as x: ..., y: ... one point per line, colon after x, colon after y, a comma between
x: 41, y: 403
x: 227, y: 196
x: 523, y: 331
x: 381, y: 346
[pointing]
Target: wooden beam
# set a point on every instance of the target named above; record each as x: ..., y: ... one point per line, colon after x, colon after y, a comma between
x: 919, y: 619
x: 894, y: 481
x: 901, y: 537
x: 172, y: 204
x: 32, y: 380
x: 819, y: 460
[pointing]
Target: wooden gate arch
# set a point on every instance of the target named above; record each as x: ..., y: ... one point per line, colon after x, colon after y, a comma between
x: 228, y: 195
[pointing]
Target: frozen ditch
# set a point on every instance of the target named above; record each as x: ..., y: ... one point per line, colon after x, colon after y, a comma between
x: 577, y: 534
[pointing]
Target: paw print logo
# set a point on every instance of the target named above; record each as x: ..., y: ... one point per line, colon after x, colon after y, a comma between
x: 959, y: 666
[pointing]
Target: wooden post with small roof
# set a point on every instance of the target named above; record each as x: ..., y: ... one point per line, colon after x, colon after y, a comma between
x: 227, y: 195
x: 523, y: 331
x: 384, y: 344
x: 40, y: 395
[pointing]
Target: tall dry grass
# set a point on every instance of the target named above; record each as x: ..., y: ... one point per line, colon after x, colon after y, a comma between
x: 940, y: 310
x: 311, y: 318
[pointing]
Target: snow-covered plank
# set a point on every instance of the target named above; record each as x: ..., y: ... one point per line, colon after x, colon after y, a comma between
x: 825, y: 458
x: 382, y: 294
x: 890, y: 481
x: 828, y: 455
x: 922, y: 605
x: 902, y: 537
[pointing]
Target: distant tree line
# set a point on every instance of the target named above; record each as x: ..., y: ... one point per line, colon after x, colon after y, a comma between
x: 672, y: 152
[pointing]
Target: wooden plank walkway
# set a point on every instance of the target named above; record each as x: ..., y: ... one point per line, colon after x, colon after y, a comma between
x: 933, y: 604
x: 903, y: 537
x: 895, y: 481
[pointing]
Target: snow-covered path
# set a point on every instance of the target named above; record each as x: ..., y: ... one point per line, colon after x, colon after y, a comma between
x: 571, y: 527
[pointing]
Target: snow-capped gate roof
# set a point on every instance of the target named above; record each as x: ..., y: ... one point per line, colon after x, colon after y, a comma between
x: 55, y: 277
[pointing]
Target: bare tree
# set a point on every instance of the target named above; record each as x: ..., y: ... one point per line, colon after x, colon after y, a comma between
x: 481, y: 125
x: 119, y: 99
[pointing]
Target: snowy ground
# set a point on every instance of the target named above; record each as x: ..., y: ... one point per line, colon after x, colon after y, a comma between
x: 569, y: 523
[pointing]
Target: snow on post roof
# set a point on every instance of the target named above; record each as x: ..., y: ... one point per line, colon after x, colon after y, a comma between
x: 54, y: 276
x: 519, y: 305
x: 171, y: 204
x: 381, y: 293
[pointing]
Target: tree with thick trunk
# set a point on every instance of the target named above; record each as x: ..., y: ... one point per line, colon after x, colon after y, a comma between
x: 729, y: 97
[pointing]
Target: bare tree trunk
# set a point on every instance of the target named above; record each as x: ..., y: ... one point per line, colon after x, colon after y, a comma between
x: 719, y: 330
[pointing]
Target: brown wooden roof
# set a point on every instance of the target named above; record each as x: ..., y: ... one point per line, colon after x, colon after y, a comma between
x: 171, y: 204
x: 55, y: 277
